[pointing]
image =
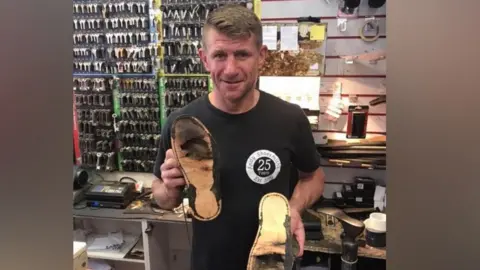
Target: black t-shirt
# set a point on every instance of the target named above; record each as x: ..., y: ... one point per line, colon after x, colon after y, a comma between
x: 260, y: 151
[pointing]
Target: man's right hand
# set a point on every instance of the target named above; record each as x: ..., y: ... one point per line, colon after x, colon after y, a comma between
x: 166, y: 190
x: 170, y: 172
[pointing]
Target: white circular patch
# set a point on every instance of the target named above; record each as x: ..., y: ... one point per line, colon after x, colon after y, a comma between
x: 263, y: 166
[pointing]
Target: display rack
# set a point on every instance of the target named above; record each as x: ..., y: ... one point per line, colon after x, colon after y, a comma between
x: 115, y: 63
x: 113, y: 37
x: 94, y: 109
x: 135, y: 62
x: 182, y: 76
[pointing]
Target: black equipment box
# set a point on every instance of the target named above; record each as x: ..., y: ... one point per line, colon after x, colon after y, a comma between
x: 109, y: 194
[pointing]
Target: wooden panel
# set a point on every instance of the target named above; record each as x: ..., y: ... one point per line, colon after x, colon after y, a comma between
x: 375, y: 124
x: 341, y: 47
x: 353, y: 27
x: 321, y: 137
x: 366, y: 86
x: 305, y: 8
x: 338, y: 67
x: 380, y: 108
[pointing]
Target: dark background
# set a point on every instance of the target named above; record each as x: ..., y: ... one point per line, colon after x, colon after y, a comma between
x: 433, y: 162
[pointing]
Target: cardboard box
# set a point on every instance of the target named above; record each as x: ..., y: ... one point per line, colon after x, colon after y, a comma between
x: 80, y: 257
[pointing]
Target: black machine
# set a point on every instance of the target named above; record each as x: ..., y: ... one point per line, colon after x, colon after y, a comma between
x: 109, y: 194
x: 352, y: 228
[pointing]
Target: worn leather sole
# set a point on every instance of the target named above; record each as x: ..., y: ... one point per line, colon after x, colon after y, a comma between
x: 274, y: 247
x: 195, y: 149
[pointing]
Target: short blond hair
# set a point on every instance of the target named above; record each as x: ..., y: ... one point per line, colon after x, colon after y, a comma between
x: 234, y: 21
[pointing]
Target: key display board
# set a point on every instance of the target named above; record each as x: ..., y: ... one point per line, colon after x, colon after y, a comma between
x: 114, y: 37
x: 116, y: 95
x: 135, y: 62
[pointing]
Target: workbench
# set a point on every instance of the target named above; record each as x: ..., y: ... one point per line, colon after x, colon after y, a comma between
x: 165, y: 237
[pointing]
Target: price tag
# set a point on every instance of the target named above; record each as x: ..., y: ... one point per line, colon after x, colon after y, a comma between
x: 317, y: 32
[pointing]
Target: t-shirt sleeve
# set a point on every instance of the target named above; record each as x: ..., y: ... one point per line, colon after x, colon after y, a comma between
x: 305, y: 155
x: 164, y: 145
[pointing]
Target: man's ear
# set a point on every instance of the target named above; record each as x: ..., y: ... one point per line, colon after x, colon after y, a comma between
x: 262, y: 55
x: 203, y: 57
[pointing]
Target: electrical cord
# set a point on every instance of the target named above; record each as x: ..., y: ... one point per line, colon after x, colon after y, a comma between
x: 188, y: 235
x: 374, y: 24
x: 127, y: 178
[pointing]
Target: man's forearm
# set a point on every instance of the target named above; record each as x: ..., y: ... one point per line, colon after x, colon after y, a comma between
x: 166, y: 199
x: 308, y: 190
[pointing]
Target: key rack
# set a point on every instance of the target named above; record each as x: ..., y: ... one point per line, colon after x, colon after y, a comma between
x: 93, y: 101
x: 115, y: 46
x: 138, y: 123
x: 114, y: 37
x: 135, y: 62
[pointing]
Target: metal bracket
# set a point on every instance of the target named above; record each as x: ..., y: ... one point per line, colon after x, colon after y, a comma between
x: 342, y: 24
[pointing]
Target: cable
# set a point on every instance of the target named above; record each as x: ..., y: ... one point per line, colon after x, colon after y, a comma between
x: 373, y: 24
x: 99, y: 175
x: 188, y: 235
x: 127, y: 178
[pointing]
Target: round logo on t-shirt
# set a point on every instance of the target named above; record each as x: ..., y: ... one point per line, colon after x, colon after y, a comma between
x: 263, y: 166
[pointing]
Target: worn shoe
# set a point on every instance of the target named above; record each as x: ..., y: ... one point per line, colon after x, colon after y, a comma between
x: 275, y: 247
x: 196, y: 153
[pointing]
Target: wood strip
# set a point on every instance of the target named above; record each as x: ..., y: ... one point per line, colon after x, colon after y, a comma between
x: 321, y: 137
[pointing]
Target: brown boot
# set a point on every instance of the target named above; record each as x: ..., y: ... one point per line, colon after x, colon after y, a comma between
x: 275, y: 247
x: 196, y: 153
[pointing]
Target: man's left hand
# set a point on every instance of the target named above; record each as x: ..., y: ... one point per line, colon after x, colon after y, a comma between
x: 298, y: 230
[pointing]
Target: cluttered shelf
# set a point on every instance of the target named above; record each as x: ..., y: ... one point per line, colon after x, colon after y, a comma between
x: 137, y: 210
x: 326, y: 246
x: 362, y: 154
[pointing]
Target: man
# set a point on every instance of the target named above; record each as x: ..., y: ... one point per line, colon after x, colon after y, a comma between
x: 242, y: 121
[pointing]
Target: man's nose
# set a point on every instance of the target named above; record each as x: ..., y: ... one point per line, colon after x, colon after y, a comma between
x: 231, y: 66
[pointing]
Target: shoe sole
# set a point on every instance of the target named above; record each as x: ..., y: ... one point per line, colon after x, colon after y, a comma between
x: 273, y: 248
x: 194, y: 149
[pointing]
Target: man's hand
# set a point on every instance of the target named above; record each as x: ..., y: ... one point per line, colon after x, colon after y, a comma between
x: 170, y: 171
x: 298, y: 230
x: 166, y: 190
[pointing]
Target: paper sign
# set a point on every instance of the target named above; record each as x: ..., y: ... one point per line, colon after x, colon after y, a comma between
x: 303, y: 91
x: 317, y: 32
x: 270, y: 36
x: 289, y: 38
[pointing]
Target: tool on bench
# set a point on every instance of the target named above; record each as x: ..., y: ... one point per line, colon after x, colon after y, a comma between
x: 351, y: 229
x: 110, y: 194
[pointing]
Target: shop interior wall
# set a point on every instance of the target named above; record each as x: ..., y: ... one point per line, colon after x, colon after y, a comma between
x: 365, y: 80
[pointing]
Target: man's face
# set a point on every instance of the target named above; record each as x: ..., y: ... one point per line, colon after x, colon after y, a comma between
x: 233, y: 64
